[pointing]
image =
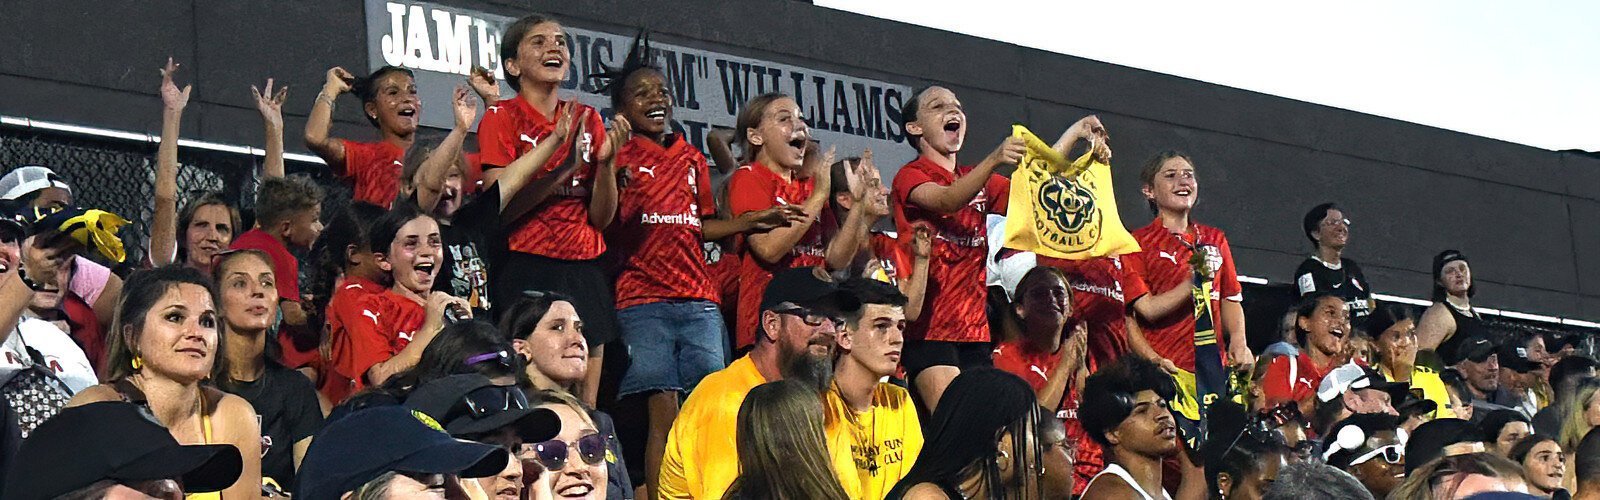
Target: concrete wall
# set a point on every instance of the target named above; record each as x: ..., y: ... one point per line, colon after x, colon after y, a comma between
x: 1524, y: 215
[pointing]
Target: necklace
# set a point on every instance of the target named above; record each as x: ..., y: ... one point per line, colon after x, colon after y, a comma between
x: 866, y: 455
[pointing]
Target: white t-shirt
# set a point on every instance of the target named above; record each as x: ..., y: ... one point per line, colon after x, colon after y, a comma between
x: 63, y: 355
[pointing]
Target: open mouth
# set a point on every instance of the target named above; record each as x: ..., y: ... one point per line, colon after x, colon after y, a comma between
x: 1337, y: 332
x: 408, y: 112
x: 1183, y: 191
x: 798, y: 143
x: 658, y: 114
x: 580, y: 490
x: 1167, y: 431
x: 553, y: 62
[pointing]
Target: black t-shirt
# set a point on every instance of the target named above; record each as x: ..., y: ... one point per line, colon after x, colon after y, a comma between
x: 467, y: 236
x: 287, y: 409
x: 1346, y: 282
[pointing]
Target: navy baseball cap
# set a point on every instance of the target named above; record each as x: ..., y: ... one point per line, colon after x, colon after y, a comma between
x: 113, y: 440
x: 368, y: 443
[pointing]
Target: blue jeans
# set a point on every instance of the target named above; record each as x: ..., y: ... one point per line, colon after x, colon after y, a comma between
x: 673, y: 345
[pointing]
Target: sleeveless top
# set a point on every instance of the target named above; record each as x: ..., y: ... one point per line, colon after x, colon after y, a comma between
x: 1467, y: 326
x: 131, y: 394
x: 1117, y: 470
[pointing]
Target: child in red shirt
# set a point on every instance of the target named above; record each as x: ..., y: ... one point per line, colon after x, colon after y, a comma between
x: 286, y: 215
x: 401, y: 320
x: 557, y: 245
x: 952, y: 199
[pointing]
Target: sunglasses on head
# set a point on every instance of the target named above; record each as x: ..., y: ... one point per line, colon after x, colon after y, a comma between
x: 502, y: 357
x: 812, y: 318
x: 552, y: 454
x: 486, y: 401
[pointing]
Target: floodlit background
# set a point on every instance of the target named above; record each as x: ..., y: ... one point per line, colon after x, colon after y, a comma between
x: 1526, y: 72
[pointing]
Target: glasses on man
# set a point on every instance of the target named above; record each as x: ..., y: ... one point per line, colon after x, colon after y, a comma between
x: 813, y: 318
x: 1394, y: 454
x: 552, y: 454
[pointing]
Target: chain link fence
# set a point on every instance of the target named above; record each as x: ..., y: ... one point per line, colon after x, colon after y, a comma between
x: 118, y: 175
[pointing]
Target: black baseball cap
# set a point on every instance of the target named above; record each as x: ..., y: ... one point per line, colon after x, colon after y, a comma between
x: 1431, y: 438
x: 368, y: 443
x: 807, y: 287
x: 113, y: 440
x: 1347, y: 439
x: 1515, y: 358
x: 1475, y: 349
x: 451, y: 400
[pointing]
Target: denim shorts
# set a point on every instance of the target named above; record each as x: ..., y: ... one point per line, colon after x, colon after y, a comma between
x: 673, y: 345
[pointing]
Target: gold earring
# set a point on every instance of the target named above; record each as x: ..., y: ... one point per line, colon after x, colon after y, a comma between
x: 138, y: 362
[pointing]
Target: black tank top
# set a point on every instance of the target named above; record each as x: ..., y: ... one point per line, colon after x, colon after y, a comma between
x: 1467, y: 326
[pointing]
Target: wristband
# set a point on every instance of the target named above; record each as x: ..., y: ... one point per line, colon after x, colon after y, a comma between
x: 22, y: 273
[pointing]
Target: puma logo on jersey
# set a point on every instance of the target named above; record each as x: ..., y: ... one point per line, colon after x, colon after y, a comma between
x: 494, y: 109
x: 1170, y: 257
x: 648, y: 170
x: 531, y: 142
x: 1039, y: 371
x: 368, y: 313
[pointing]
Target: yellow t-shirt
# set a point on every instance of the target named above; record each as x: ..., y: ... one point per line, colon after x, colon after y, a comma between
x: 701, y: 458
x: 873, y: 450
x: 1432, y: 387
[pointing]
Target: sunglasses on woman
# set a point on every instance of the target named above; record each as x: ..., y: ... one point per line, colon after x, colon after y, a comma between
x: 552, y: 454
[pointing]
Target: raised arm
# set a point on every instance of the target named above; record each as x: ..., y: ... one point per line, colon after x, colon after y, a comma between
x: 431, y: 176
x: 867, y: 207
x: 717, y: 142
x: 772, y: 246
x: 271, y: 107
x: 432, y: 324
x: 949, y: 199
x: 519, y: 191
x: 1055, y: 386
x: 484, y: 84
x: 603, y: 193
x: 916, y: 288
x: 320, y: 121
x: 164, y: 227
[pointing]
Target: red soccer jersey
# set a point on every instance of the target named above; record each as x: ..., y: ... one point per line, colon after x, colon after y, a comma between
x: 1293, y: 379
x: 1163, y: 264
x: 1099, y: 302
x: 344, y: 308
x: 381, y: 325
x: 1034, y: 368
x: 658, y: 229
x: 892, y: 257
x: 955, y: 298
x: 756, y: 187
x: 374, y: 169
x: 558, y: 228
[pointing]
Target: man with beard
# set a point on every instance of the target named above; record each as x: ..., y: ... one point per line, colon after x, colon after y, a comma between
x: 801, y: 312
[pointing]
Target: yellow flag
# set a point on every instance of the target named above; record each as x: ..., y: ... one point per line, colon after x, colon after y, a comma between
x: 1062, y: 209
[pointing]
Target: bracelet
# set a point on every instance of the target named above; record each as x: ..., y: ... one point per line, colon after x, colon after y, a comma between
x: 22, y: 273
x: 324, y: 97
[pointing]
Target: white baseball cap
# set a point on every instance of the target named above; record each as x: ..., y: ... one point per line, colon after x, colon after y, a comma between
x: 24, y: 180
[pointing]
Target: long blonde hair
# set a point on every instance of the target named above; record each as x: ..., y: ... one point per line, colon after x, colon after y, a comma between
x: 1573, y: 423
x: 783, y: 452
